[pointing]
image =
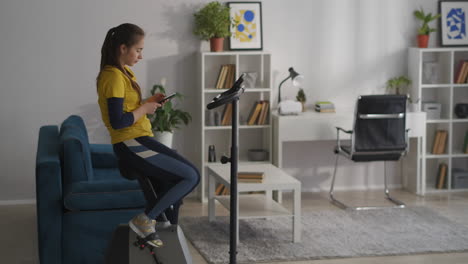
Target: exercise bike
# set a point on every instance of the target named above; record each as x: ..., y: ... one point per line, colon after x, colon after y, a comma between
x: 127, y: 247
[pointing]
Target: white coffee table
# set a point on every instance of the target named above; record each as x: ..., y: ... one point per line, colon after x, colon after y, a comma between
x: 256, y: 205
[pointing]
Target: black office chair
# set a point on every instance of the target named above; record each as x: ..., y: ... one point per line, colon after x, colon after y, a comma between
x: 379, y: 134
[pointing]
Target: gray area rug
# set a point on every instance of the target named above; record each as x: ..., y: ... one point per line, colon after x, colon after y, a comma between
x: 329, y: 234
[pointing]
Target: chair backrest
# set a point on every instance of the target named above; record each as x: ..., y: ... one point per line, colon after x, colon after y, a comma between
x: 379, y: 124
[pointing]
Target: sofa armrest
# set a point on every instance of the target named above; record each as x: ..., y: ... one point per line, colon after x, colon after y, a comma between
x: 49, y: 196
x: 102, y: 156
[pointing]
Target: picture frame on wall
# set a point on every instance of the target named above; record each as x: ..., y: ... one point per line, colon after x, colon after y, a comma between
x: 453, y: 23
x: 246, y: 33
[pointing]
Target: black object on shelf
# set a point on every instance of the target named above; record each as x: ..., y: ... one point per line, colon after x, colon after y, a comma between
x: 232, y: 96
x: 461, y: 110
x: 211, y: 153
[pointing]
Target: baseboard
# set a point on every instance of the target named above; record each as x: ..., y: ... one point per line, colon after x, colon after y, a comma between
x: 17, y: 202
x: 353, y: 188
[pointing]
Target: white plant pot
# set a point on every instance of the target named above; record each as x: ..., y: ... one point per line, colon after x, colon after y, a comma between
x: 164, y: 138
x: 413, y: 107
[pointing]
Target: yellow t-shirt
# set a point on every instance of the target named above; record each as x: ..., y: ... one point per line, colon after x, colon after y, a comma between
x: 113, y: 83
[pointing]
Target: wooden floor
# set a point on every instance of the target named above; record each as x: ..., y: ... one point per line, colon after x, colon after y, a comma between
x: 20, y: 221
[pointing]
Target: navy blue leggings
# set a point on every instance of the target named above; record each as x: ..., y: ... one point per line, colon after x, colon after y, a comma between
x: 172, y: 176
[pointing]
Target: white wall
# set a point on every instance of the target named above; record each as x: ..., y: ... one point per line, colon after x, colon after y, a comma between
x: 50, y: 52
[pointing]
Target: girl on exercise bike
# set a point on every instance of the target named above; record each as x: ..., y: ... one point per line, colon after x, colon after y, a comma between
x: 124, y: 112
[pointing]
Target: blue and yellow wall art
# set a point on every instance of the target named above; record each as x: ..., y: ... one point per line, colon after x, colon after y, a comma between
x: 246, y: 33
x: 245, y: 26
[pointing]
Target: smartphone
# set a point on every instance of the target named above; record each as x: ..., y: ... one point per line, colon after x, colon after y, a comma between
x: 167, y: 97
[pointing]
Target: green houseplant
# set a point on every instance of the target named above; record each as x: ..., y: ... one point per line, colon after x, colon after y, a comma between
x: 167, y: 118
x: 213, y: 22
x: 425, y: 29
x: 301, y: 97
x: 398, y: 85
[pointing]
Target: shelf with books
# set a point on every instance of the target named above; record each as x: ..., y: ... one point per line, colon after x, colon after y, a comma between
x: 438, y: 138
x: 440, y: 77
x: 437, y: 173
x: 216, y: 123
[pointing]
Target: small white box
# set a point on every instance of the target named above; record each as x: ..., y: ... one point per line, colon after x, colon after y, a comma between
x: 432, y: 110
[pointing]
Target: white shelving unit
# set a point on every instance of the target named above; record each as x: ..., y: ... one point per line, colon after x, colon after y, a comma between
x: 440, y: 88
x: 250, y: 136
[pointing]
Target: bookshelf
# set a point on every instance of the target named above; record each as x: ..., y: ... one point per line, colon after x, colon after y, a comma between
x: 256, y: 136
x: 436, y: 78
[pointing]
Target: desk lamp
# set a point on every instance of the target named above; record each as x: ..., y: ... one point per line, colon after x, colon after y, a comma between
x: 296, y: 80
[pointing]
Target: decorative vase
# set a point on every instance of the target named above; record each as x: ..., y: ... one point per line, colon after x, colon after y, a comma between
x: 413, y: 107
x: 423, y: 41
x: 216, y: 44
x: 164, y: 138
x: 303, y: 107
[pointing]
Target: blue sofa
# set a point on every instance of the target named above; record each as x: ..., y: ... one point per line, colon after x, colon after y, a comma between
x: 81, y: 196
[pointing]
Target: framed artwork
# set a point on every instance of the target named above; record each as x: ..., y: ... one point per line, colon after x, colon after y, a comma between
x: 246, y: 34
x: 453, y: 30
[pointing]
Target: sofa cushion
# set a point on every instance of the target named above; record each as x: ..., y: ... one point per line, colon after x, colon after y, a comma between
x: 108, y: 190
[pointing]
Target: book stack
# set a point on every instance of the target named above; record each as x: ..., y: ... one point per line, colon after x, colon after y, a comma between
x: 242, y: 177
x: 461, y: 74
x: 227, y: 115
x: 324, y: 107
x: 250, y: 177
x: 221, y: 190
x: 441, y: 181
x: 259, y: 113
x: 440, y: 142
x: 226, y: 76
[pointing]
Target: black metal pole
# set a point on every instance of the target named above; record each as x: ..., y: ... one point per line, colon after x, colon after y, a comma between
x: 234, y: 160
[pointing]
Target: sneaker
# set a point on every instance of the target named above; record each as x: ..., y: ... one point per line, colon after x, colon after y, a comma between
x: 144, y: 227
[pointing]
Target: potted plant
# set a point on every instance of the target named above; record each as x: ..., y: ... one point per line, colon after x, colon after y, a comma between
x: 166, y: 119
x: 424, y: 30
x: 300, y: 97
x: 399, y: 85
x: 213, y: 22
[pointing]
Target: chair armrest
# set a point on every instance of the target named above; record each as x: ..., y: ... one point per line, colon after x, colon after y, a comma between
x: 338, y: 129
x: 102, y: 156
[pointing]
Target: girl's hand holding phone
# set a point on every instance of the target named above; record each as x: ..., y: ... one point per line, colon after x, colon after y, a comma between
x: 150, y: 107
x: 156, y: 98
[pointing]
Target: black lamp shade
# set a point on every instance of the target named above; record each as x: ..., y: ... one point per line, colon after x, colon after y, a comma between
x: 292, y: 73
